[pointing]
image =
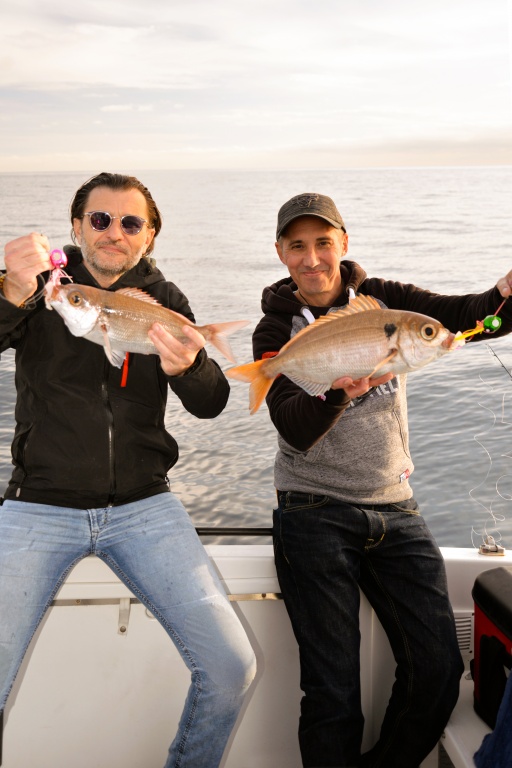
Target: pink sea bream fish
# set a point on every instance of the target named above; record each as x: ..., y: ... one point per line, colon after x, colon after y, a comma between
x: 120, y: 320
x: 360, y: 340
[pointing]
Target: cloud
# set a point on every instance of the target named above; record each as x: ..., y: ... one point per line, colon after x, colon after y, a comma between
x: 117, y: 108
x: 271, y: 77
x: 127, y: 108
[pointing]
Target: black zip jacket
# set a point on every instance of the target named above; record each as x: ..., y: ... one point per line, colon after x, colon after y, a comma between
x: 81, y: 439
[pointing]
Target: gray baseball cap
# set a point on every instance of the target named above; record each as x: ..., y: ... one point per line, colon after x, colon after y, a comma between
x: 308, y: 204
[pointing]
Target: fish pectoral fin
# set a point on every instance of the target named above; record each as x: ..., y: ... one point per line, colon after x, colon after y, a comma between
x: 114, y: 357
x: 382, y: 363
x: 311, y: 387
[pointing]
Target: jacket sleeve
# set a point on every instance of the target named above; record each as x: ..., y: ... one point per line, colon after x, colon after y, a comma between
x: 298, y: 417
x: 12, y: 323
x: 457, y: 313
x: 203, y: 389
x: 12, y: 318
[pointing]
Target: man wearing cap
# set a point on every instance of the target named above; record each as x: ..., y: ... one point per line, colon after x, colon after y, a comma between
x: 346, y: 518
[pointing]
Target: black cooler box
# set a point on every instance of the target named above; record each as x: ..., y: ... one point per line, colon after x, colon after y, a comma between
x: 492, y: 594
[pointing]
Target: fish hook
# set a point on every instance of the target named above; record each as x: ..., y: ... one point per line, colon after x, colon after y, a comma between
x: 489, y: 324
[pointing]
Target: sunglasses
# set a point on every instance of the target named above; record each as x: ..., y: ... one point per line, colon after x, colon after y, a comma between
x: 101, y: 221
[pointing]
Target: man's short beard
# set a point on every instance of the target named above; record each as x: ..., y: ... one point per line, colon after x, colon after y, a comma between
x: 102, y: 268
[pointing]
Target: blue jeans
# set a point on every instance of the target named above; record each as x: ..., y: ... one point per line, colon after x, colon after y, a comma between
x: 152, y: 546
x: 325, y: 550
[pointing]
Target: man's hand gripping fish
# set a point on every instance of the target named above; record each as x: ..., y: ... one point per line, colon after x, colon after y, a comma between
x: 360, y: 340
x: 120, y: 320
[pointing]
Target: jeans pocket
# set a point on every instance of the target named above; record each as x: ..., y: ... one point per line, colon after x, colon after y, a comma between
x: 409, y: 506
x: 293, y: 501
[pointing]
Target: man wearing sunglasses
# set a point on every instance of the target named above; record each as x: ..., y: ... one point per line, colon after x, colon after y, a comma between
x: 91, y: 458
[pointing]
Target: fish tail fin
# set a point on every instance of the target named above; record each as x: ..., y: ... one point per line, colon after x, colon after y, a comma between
x: 255, y: 376
x: 217, y: 333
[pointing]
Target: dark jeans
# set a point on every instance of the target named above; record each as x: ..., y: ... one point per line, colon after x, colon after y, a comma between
x: 325, y: 550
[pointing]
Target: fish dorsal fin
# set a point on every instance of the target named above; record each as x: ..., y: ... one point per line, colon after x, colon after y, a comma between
x: 136, y: 293
x: 359, y: 304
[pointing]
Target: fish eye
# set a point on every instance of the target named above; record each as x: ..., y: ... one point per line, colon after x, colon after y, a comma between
x: 428, y: 331
x: 75, y: 298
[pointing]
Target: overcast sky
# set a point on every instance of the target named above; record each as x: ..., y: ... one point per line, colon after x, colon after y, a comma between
x: 254, y: 83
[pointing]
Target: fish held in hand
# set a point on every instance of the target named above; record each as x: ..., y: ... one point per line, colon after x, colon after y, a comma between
x: 120, y: 320
x: 360, y: 340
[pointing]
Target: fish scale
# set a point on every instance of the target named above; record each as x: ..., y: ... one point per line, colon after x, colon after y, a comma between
x: 322, y: 354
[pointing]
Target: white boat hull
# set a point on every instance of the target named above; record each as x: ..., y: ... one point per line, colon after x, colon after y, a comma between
x: 92, y: 694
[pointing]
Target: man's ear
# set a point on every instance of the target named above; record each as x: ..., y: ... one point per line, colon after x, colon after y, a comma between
x: 344, y: 245
x: 77, y: 229
x: 280, y: 251
x: 149, y: 239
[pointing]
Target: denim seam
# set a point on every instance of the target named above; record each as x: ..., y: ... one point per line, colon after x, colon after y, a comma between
x: 186, y: 730
x: 292, y: 573
x: 278, y: 537
x: 147, y: 603
x: 310, y: 505
x: 60, y: 581
x: 196, y: 676
x: 371, y: 543
x: 398, y: 508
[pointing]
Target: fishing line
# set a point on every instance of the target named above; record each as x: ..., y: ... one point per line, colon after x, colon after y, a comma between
x: 492, y: 536
x: 59, y: 260
x: 489, y: 324
x: 500, y: 361
x: 495, y: 518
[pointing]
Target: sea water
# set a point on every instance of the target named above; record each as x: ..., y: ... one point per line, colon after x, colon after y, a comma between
x: 445, y: 229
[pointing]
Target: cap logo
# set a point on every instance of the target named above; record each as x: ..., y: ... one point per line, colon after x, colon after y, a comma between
x: 306, y: 201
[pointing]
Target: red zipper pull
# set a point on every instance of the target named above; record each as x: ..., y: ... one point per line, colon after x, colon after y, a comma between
x: 124, y: 375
